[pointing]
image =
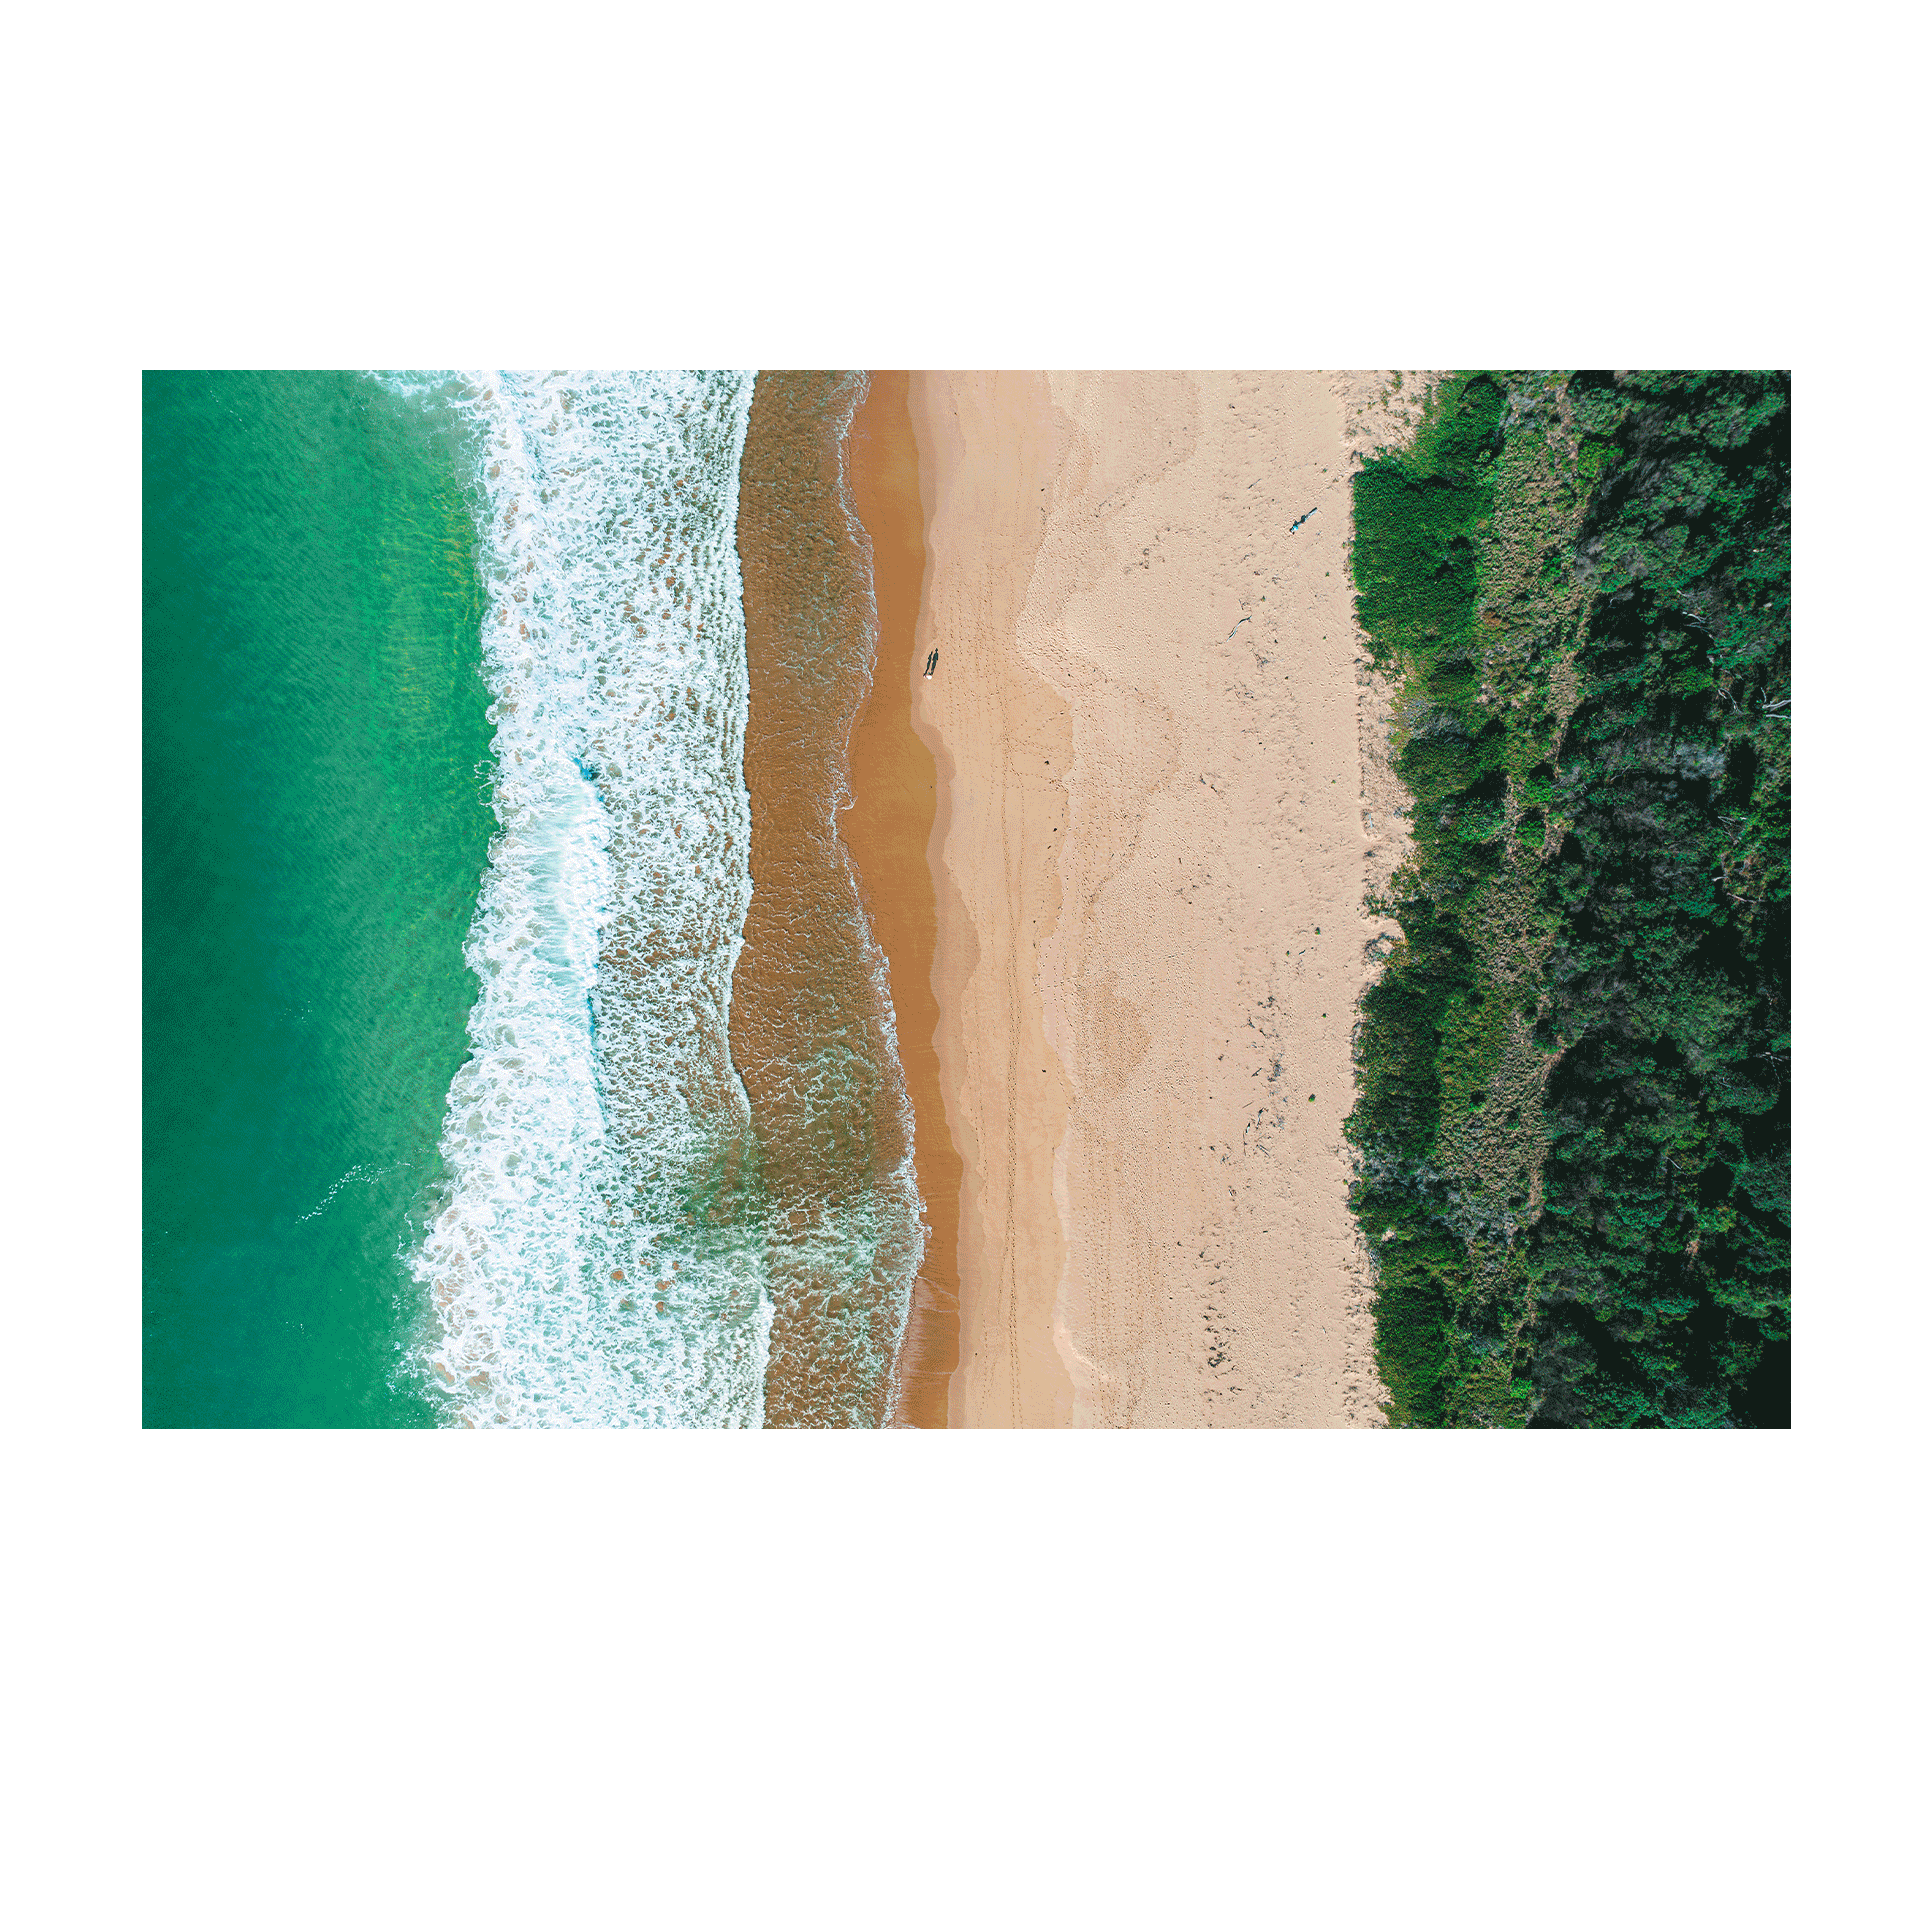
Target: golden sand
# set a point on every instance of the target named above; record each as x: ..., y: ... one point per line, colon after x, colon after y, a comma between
x: 1151, y: 852
x: 887, y: 830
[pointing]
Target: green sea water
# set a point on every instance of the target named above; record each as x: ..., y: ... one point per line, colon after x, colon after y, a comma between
x: 316, y: 759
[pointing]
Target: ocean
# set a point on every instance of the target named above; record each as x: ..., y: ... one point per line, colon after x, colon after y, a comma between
x: 449, y: 854
x: 315, y: 824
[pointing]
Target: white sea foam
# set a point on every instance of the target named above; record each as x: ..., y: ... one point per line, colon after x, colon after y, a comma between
x: 353, y: 1173
x: 596, y: 1258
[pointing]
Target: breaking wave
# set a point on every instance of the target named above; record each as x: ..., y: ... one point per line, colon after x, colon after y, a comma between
x: 598, y: 1255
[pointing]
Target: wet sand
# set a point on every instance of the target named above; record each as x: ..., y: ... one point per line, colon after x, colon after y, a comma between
x: 887, y: 830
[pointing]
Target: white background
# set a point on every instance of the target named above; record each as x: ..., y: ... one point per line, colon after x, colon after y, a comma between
x: 990, y: 1674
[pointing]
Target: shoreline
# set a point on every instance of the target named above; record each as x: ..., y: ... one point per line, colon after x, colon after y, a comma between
x: 1153, y: 841
x: 888, y: 826
x: 810, y: 1024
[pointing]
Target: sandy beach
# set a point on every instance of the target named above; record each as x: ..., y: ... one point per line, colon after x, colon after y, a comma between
x: 887, y: 830
x: 1158, y: 812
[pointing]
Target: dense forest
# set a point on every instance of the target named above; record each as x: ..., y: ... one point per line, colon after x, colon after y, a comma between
x: 1573, y: 1112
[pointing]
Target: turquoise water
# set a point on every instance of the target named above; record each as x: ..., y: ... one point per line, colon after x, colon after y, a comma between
x: 316, y: 826
x: 447, y: 844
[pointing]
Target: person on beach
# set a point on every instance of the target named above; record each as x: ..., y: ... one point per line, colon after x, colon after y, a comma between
x: 1302, y: 521
x: 933, y: 660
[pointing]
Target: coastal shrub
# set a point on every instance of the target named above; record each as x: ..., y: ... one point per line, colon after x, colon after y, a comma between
x: 1437, y: 764
x: 1415, y: 519
x: 1583, y: 584
x: 1410, y: 1346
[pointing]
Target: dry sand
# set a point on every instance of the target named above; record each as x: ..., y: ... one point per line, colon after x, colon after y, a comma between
x: 1159, y: 814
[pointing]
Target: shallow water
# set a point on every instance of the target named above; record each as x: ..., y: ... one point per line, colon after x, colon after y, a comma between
x: 813, y: 1023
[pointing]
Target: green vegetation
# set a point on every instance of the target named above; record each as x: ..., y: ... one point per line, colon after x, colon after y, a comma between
x: 1573, y: 1103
